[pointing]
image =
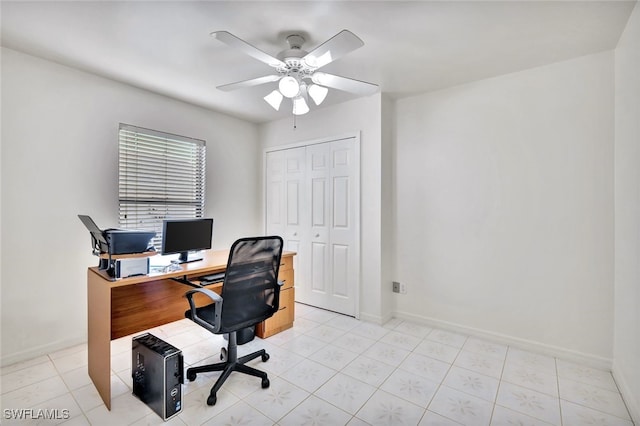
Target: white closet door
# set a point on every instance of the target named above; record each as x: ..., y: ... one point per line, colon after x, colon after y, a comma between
x: 274, y: 197
x: 318, y: 291
x: 319, y: 219
x: 344, y: 222
x: 296, y: 210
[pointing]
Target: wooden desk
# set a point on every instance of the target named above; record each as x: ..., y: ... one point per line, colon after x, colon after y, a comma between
x: 131, y: 305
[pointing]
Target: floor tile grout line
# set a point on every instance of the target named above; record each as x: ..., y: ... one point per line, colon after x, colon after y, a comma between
x: 395, y: 369
x: 504, y: 365
x: 46, y: 359
x: 444, y: 377
x: 75, y: 399
x: 620, y: 393
x: 555, y: 364
x: 598, y: 410
x: 310, y: 394
x: 3, y: 392
x: 615, y: 382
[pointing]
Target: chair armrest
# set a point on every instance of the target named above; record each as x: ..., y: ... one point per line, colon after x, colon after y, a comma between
x: 217, y: 300
x: 210, y: 294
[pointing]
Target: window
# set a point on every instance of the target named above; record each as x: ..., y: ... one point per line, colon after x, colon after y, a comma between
x: 160, y: 176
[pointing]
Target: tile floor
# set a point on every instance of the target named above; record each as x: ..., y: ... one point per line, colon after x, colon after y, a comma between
x: 334, y: 370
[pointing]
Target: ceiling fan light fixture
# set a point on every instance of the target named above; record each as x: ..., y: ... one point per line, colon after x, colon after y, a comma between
x: 274, y: 99
x: 289, y: 86
x: 300, y: 106
x: 296, y: 70
x: 317, y: 93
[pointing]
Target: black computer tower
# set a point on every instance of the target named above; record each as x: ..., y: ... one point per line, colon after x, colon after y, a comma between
x: 157, y: 372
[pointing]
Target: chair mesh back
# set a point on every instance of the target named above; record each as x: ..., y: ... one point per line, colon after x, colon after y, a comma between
x: 250, y: 292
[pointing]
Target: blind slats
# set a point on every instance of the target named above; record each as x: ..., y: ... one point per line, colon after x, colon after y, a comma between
x: 161, y: 176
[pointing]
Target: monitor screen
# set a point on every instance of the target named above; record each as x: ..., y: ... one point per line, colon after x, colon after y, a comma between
x: 185, y: 235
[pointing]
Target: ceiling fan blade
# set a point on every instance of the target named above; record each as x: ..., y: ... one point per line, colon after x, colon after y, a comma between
x: 233, y: 41
x: 336, y: 47
x: 343, y: 83
x: 249, y: 83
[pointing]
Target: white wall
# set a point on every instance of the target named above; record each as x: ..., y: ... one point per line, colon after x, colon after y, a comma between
x: 626, y: 349
x: 59, y: 159
x: 361, y: 115
x: 505, y: 207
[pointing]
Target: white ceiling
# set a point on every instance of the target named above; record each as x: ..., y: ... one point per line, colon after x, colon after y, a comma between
x: 410, y: 46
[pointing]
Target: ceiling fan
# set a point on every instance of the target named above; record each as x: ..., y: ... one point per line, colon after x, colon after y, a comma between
x: 296, y: 70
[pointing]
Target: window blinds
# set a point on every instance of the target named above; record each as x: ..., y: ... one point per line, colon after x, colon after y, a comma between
x: 160, y: 176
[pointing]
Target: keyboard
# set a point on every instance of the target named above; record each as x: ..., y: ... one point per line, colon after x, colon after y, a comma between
x: 212, y: 278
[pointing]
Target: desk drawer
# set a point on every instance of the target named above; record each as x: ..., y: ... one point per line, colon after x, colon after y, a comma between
x: 287, y: 277
x: 281, y: 320
x: 286, y: 263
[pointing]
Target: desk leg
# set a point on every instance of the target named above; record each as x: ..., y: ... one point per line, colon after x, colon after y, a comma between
x: 99, y: 335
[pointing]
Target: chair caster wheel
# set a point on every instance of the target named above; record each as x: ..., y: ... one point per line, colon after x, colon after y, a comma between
x: 265, y: 357
x: 211, y: 400
x: 223, y: 354
x: 191, y: 376
x: 265, y: 383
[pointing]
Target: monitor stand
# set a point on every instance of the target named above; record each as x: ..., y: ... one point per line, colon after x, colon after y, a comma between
x: 185, y: 258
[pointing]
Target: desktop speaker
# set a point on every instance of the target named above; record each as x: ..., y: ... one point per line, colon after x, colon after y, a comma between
x: 157, y: 372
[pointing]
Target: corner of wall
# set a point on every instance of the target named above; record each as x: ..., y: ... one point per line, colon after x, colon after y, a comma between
x: 388, y: 238
x: 626, y: 343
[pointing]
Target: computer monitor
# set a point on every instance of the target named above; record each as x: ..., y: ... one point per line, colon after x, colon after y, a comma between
x: 186, y: 235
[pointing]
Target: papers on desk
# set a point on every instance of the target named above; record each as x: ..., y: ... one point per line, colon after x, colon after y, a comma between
x: 159, y: 260
x: 161, y: 264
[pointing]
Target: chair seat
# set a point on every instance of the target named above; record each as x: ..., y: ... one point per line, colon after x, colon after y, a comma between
x: 207, y: 313
x: 245, y: 317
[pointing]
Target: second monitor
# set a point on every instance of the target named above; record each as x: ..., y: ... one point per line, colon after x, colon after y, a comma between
x: 186, y: 235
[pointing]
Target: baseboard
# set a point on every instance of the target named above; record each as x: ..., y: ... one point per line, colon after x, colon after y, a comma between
x: 529, y: 345
x: 629, y: 398
x: 40, y: 350
x: 376, y: 319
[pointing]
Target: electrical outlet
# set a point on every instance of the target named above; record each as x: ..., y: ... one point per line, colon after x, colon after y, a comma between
x: 403, y: 288
x: 396, y: 287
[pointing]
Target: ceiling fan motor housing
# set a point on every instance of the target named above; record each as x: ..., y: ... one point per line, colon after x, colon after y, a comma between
x: 292, y: 57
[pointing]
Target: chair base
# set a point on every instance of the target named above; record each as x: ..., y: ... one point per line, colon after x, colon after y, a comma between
x: 233, y: 363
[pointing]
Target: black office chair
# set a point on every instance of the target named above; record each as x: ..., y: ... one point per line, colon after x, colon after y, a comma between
x: 250, y: 295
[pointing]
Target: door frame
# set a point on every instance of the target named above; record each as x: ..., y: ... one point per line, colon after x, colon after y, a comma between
x: 356, y: 137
